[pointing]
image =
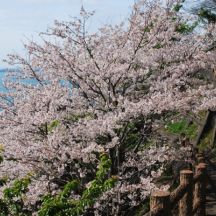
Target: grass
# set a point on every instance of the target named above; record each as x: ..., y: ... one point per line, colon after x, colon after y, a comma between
x: 182, y: 126
x: 206, y: 140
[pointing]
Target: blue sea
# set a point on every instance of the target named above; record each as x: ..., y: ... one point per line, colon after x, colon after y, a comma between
x: 2, y: 78
x: 3, y: 74
x: 4, y: 71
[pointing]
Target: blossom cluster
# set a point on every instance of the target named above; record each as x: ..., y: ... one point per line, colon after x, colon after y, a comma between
x: 86, y: 91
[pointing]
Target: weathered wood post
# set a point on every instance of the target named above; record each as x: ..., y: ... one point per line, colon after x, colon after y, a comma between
x: 186, y: 203
x: 200, y: 190
x: 160, y: 203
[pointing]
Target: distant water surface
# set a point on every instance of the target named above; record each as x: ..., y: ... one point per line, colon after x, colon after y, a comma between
x: 3, y: 73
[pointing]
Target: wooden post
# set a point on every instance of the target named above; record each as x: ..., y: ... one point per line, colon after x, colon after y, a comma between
x: 186, y: 203
x: 160, y: 203
x: 200, y: 190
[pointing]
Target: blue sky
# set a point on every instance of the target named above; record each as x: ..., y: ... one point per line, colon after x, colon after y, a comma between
x: 20, y: 19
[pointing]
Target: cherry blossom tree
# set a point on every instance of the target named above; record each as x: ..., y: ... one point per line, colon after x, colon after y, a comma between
x: 78, y: 95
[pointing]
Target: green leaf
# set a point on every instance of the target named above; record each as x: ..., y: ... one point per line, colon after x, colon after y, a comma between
x: 177, y: 7
x: 70, y: 186
x: 53, y: 125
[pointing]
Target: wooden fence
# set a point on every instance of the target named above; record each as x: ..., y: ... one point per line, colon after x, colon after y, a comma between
x: 189, y: 197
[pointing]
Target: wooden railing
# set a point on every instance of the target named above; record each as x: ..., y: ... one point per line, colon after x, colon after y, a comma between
x: 187, y: 199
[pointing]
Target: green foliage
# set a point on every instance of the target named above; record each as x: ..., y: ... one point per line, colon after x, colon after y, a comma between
x: 206, y: 140
x: 148, y: 28
x: 185, y: 28
x: 158, y: 46
x: 47, y: 128
x: 177, y: 7
x: 62, y: 205
x: 52, y: 205
x: 132, y: 139
x: 174, y: 18
x: 148, y: 143
x: 70, y: 186
x: 12, y: 201
x: 133, y: 129
x: 104, y: 166
x: 183, y: 127
x: 3, y: 181
x: 207, y: 15
x: 19, y: 187
x: 77, y: 117
x: 132, y: 135
x: 53, y: 125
